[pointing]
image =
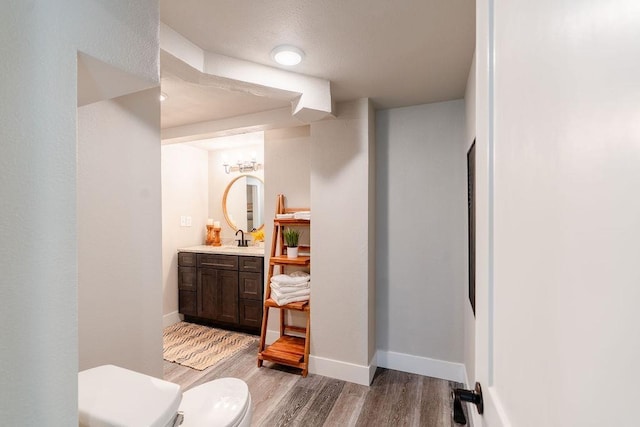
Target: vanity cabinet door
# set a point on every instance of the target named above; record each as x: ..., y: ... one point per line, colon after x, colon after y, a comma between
x: 251, y: 313
x: 218, y: 295
x: 188, y: 303
x: 187, y: 286
x: 250, y: 286
x: 250, y: 299
x: 228, y: 296
x: 187, y: 279
x: 208, y: 299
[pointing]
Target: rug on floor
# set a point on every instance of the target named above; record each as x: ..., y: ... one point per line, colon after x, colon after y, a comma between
x: 200, y: 347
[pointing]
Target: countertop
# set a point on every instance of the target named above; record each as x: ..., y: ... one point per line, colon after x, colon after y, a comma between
x: 226, y: 250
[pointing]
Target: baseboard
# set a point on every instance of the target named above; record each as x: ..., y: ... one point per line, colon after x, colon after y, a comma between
x: 426, y: 366
x: 337, y: 369
x: 341, y: 370
x: 359, y: 374
x: 170, y: 319
x: 373, y: 365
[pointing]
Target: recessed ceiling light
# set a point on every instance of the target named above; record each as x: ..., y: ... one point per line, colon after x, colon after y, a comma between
x: 163, y: 96
x: 287, y: 55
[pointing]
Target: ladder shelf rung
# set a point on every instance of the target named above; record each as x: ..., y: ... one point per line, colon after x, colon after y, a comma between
x: 291, y: 221
x: 287, y: 349
x: 299, y: 306
x: 283, y: 260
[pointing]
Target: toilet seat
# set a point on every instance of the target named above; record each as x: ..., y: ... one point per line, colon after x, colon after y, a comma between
x: 221, y: 402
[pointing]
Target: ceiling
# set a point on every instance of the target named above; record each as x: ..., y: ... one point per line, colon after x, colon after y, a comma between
x: 190, y: 102
x: 398, y: 53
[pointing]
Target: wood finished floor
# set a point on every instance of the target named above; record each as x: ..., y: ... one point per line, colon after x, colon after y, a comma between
x: 283, y: 398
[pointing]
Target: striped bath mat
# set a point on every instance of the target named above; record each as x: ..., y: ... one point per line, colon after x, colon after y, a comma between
x: 200, y: 347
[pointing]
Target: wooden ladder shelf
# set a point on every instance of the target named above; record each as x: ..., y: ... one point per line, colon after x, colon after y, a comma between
x: 290, y: 350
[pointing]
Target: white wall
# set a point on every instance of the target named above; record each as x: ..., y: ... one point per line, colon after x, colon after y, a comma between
x: 422, y: 232
x: 287, y: 171
x: 119, y: 234
x: 469, y: 317
x: 38, y: 287
x: 342, y: 242
x: 185, y: 192
x: 567, y: 150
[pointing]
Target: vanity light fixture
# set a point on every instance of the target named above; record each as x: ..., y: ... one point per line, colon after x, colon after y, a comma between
x: 287, y: 55
x: 242, y: 166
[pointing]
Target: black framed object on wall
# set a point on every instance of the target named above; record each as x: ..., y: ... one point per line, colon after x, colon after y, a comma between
x: 471, y: 207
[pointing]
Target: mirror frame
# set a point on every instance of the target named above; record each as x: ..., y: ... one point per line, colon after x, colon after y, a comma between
x: 224, y: 200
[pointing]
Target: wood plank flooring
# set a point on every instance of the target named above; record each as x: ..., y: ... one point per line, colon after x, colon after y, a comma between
x: 283, y: 398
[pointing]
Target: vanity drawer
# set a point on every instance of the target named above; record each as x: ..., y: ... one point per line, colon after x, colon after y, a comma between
x: 251, y: 264
x: 187, y: 278
x: 250, y: 285
x: 186, y: 259
x: 221, y: 262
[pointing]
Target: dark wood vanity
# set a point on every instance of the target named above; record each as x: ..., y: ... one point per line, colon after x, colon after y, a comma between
x: 221, y: 290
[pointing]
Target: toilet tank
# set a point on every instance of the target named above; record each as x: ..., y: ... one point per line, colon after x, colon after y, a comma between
x: 112, y: 396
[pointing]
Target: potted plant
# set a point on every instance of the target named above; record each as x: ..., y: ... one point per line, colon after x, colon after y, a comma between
x: 291, y: 237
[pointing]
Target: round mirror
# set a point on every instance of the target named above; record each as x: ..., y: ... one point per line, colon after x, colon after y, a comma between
x: 243, y: 203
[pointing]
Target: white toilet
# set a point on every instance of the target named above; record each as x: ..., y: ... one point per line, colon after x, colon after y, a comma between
x: 113, y: 396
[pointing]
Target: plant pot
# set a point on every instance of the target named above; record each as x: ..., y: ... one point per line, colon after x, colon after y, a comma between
x: 292, y: 252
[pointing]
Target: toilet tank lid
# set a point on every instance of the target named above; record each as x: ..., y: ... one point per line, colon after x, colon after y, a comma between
x: 110, y: 395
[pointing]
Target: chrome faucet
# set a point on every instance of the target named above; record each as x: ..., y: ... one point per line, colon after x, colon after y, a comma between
x: 242, y: 242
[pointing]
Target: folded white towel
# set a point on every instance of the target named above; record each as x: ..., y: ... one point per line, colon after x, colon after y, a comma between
x: 299, y: 273
x: 302, y: 215
x: 298, y: 293
x: 289, y: 285
x: 295, y: 278
x: 283, y: 301
x: 285, y: 289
